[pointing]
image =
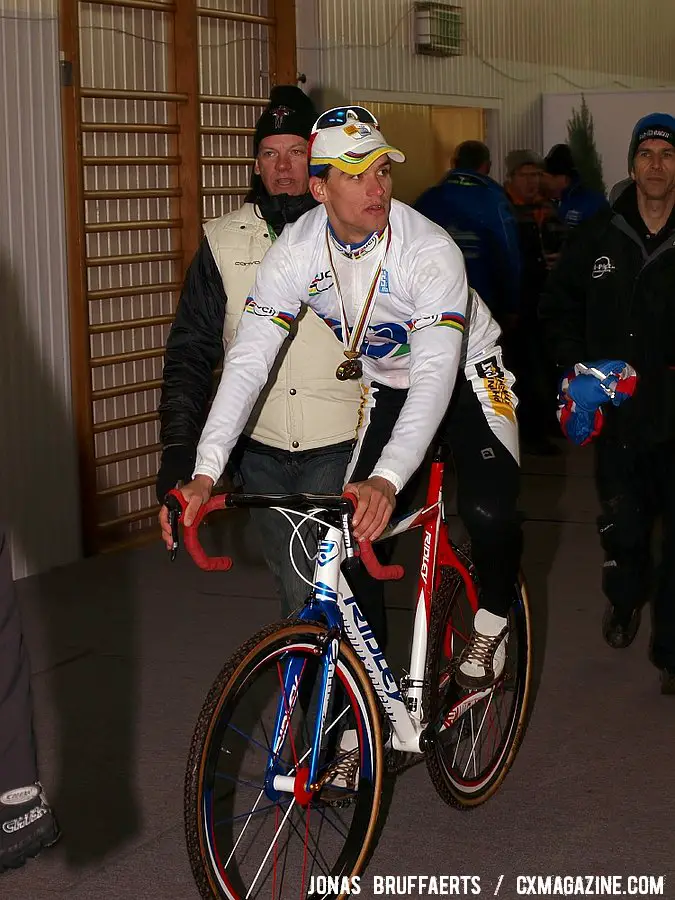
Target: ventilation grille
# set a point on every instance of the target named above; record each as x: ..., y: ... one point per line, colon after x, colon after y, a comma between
x: 439, y: 29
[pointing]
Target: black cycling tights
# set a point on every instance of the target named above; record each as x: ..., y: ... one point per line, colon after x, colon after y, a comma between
x: 488, y: 481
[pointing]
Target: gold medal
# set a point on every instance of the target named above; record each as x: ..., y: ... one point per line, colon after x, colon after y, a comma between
x: 353, y: 338
x: 350, y: 368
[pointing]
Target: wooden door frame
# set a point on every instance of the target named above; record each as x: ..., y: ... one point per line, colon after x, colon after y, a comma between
x: 283, y: 66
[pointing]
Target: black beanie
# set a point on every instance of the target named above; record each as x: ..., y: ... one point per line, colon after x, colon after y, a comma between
x: 559, y: 161
x: 290, y: 111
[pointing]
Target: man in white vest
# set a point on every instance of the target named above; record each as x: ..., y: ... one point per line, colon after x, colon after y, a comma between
x: 301, y: 433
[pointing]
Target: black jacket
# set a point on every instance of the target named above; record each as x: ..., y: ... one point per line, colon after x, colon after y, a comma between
x: 612, y: 296
x: 540, y: 231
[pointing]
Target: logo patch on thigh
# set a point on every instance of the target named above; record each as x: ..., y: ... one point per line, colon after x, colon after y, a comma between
x: 496, y: 386
x: 489, y: 368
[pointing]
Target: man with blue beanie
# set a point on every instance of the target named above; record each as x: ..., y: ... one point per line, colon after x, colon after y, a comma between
x: 609, y: 315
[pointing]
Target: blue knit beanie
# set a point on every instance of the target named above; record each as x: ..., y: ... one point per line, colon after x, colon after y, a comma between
x: 655, y: 126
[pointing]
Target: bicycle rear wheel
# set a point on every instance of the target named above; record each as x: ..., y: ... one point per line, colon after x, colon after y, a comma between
x: 475, y: 735
x: 246, y: 839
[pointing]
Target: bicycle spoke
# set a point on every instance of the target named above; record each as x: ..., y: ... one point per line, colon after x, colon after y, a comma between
x: 251, y: 739
x: 274, y: 866
x: 304, y: 858
x: 475, y: 740
x: 459, y: 739
x: 246, y: 824
x: 269, y: 849
x: 222, y: 777
x: 325, y: 861
x: 323, y: 812
x: 248, y: 815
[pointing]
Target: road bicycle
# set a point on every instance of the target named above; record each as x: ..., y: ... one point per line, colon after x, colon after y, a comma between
x: 287, y: 764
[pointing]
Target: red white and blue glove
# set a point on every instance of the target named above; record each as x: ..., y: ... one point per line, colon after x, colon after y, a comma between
x: 584, y: 389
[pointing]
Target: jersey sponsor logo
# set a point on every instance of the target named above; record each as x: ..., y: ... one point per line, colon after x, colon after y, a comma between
x: 451, y: 320
x: 602, y: 267
x: 322, y: 281
x: 361, y: 250
x: 384, y: 340
x: 489, y: 368
x: 496, y: 386
x: 428, y: 273
x: 247, y: 262
x: 391, y: 339
x: 384, y: 282
x: 283, y: 319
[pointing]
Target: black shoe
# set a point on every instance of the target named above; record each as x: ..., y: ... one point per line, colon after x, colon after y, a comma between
x: 667, y: 681
x: 27, y: 826
x: 618, y: 631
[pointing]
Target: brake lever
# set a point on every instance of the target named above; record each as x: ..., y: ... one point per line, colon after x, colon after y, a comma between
x: 175, y: 509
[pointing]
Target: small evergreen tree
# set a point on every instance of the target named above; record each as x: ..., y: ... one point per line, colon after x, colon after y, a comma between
x: 581, y: 140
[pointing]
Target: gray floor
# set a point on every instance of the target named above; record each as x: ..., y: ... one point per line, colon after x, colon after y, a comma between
x: 125, y: 646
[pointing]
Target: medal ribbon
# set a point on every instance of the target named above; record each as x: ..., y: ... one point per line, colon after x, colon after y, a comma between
x: 353, y: 339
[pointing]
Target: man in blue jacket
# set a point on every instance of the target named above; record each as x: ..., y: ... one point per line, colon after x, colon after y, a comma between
x: 561, y: 183
x: 475, y: 210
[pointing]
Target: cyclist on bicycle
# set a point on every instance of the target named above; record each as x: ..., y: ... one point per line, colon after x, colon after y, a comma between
x: 392, y: 287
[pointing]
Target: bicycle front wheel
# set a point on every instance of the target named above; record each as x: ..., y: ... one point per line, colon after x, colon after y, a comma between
x: 476, y: 734
x: 251, y: 835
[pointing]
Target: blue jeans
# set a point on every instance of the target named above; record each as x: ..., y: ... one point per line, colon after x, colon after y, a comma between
x: 266, y: 470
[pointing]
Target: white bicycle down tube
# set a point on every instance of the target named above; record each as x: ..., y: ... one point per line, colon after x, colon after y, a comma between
x: 330, y: 584
x: 406, y: 731
x: 418, y: 660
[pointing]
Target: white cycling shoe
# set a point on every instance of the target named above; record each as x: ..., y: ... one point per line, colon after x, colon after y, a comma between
x: 482, y: 661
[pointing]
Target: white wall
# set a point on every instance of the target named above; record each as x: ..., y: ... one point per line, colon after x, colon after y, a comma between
x: 515, y: 51
x: 614, y: 115
x: 38, y: 498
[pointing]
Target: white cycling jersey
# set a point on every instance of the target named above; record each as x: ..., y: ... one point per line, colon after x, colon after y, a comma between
x: 417, y: 338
